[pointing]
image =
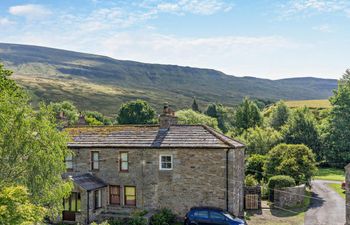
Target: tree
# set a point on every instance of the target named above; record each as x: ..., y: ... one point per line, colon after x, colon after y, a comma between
x: 297, y: 161
x: 96, y: 118
x: 69, y: 110
x: 260, y: 140
x: 254, y: 166
x: 188, y: 116
x: 16, y: 208
x: 247, y: 115
x: 279, y: 115
x: 301, y: 129
x: 136, y: 112
x: 195, y: 106
x: 32, y: 150
x: 222, y: 114
x: 212, y: 110
x: 336, y: 132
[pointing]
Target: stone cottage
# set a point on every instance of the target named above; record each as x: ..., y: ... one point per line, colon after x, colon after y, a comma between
x: 117, y: 169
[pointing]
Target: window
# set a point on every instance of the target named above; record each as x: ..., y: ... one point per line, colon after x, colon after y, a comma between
x: 95, y: 160
x: 114, y: 195
x: 124, y: 161
x: 72, y: 203
x: 98, y: 197
x: 166, y: 162
x: 217, y: 216
x: 201, y: 214
x: 69, y: 162
x: 130, y: 196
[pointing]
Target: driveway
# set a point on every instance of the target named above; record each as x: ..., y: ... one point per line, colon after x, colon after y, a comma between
x: 327, y: 207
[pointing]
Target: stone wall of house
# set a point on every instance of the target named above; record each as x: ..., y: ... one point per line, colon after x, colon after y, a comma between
x: 289, y: 197
x: 347, y: 187
x: 198, y: 178
x: 236, y: 181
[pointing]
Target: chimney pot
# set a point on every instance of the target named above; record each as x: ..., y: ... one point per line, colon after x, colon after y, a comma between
x: 167, y: 118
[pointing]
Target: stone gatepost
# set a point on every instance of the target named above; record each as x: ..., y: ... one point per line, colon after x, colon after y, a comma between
x: 347, y: 188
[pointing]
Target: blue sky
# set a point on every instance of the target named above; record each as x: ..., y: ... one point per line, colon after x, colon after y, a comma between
x: 263, y: 38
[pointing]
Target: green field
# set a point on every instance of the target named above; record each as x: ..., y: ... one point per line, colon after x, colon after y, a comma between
x: 330, y: 174
x: 337, y: 188
x: 315, y: 104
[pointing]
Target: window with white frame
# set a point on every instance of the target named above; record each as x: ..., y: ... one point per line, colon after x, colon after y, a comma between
x: 95, y: 158
x: 165, y: 162
x: 98, y: 198
x: 69, y: 162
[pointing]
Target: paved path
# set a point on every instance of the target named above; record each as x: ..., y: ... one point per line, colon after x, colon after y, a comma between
x: 328, y: 208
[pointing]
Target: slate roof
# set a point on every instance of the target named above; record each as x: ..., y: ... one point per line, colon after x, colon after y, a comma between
x: 88, y: 182
x: 149, y: 136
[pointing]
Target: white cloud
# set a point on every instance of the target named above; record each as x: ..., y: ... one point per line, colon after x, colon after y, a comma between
x: 308, y: 7
x: 30, y: 11
x: 201, y: 7
x: 323, y: 28
x: 6, y: 22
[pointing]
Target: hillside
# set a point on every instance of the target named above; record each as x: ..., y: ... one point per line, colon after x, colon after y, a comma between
x: 102, y: 83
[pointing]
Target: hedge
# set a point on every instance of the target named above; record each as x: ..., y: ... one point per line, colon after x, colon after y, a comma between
x: 279, y: 181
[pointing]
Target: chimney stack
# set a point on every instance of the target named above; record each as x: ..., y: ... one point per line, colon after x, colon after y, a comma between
x: 167, y: 118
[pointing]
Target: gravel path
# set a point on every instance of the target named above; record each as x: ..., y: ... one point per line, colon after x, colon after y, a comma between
x: 328, y: 208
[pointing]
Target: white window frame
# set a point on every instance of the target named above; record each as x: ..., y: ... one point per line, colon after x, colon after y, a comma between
x: 99, y: 202
x: 160, y: 162
x: 95, y: 162
x: 69, y: 162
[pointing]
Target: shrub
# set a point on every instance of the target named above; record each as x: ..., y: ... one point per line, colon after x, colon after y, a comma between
x: 164, y: 217
x: 279, y: 181
x: 297, y: 161
x: 254, y: 166
x: 117, y: 222
x: 250, y: 181
x: 137, y: 220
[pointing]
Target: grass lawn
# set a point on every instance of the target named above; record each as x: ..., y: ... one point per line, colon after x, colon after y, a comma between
x: 293, y: 216
x: 337, y: 188
x: 330, y: 174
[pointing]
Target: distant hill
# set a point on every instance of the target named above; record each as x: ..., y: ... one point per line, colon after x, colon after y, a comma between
x: 101, y: 83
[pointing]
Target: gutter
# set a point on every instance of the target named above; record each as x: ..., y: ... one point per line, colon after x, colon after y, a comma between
x: 88, y: 208
x: 227, y: 183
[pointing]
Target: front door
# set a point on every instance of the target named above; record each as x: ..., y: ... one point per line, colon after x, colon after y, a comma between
x: 71, y: 205
x: 68, y: 216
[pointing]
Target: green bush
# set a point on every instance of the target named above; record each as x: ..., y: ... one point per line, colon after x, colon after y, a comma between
x: 279, y: 181
x: 117, y: 222
x: 297, y: 161
x: 250, y: 181
x: 164, y: 217
x: 254, y: 166
x: 137, y: 220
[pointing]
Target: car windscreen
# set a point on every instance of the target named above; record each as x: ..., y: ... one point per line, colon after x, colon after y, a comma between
x: 228, y: 215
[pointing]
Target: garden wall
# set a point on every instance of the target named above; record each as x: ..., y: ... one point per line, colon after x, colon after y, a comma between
x: 289, y: 197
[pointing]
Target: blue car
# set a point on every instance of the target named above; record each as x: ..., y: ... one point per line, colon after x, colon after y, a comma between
x: 211, y: 216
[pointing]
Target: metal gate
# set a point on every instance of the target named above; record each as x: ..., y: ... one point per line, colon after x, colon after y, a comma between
x: 252, y: 197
